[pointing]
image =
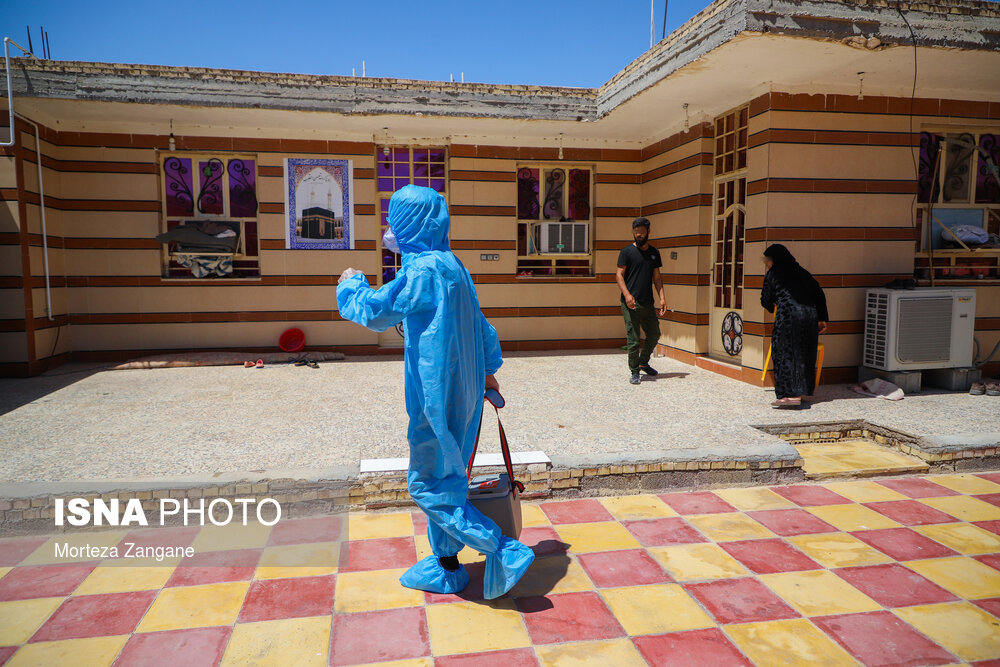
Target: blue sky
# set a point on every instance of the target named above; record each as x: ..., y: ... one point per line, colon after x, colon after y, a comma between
x: 554, y: 42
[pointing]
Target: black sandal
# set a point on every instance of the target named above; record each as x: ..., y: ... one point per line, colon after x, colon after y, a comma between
x: 312, y: 364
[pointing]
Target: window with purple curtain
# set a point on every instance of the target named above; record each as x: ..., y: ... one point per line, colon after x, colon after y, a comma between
x: 527, y: 194
x: 579, y: 194
x: 930, y: 144
x: 210, y: 187
x: 177, y: 181
x: 987, y: 187
x: 242, y: 189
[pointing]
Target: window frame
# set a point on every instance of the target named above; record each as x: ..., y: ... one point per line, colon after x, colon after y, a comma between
x: 166, y: 255
x: 527, y: 263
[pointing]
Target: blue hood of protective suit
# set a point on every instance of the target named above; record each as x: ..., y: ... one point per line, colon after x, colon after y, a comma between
x: 419, y: 219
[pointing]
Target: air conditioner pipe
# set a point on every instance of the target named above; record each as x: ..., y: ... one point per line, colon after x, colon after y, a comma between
x: 980, y: 364
x: 7, y: 41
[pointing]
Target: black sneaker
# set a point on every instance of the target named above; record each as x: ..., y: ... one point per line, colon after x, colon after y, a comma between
x: 649, y: 370
x: 635, y: 378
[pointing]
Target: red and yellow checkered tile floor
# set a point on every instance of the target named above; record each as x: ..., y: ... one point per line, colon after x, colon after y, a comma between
x: 898, y: 571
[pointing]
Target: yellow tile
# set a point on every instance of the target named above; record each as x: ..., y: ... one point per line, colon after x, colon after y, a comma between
x: 93, y: 652
x: 965, y: 577
x: 369, y: 591
x: 641, y: 609
x: 532, y: 515
x: 637, y: 507
x: 855, y: 456
x: 293, y: 641
x: 691, y: 562
x: 19, y: 619
x: 961, y: 627
x: 371, y: 526
x: 852, y: 517
x: 298, y: 560
x: 962, y: 537
x: 729, y: 527
x: 195, y: 607
x: 838, y: 550
x: 120, y: 579
x: 4, y: 571
x: 819, y: 593
x: 617, y: 652
x: 964, y: 508
x: 469, y: 627
x: 754, y: 499
x: 465, y: 556
x: 969, y: 484
x: 792, y: 642
x: 865, y: 491
x: 553, y: 574
x: 231, y: 536
x: 601, y: 536
x: 46, y: 553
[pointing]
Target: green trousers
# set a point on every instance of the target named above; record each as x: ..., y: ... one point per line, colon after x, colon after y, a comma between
x: 643, y: 316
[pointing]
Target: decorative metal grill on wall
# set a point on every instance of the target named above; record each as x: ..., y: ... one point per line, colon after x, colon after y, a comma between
x: 732, y: 333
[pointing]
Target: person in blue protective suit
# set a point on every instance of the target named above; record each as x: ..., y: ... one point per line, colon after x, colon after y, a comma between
x: 450, y: 355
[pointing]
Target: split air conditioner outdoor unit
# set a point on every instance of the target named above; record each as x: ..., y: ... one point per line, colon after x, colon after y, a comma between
x: 562, y: 237
x: 919, y: 329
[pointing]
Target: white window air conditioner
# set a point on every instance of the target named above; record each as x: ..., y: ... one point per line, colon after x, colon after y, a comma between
x: 562, y: 237
x: 919, y: 329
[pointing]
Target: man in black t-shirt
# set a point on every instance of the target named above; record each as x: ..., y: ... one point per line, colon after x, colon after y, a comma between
x: 638, y: 271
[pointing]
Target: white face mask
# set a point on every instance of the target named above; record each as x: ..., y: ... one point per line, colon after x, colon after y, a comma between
x: 389, y: 241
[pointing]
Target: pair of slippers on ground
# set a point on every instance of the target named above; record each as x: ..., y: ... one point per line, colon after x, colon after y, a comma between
x: 298, y: 362
x: 788, y: 402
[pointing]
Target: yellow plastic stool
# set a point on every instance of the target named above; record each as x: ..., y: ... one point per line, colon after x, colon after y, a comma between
x: 820, y: 350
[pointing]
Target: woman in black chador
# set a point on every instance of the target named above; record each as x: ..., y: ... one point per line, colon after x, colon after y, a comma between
x: 800, y: 318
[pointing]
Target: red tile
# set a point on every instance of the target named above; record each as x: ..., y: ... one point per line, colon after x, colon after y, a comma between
x: 14, y: 550
x: 694, y: 648
x: 271, y: 599
x: 172, y: 536
x: 42, y: 581
x: 306, y: 531
x: 353, y: 635
x: 910, y: 512
x: 990, y: 476
x: 880, y: 638
x: 96, y: 616
x: 662, y: 532
x: 379, y: 554
x: 568, y: 617
x: 769, y: 556
x: 519, y: 657
x: 903, y: 544
x: 743, y: 600
x: 986, y: 663
x: 914, y: 487
x: 576, y: 511
x: 992, y: 526
x: 195, y: 647
x: 419, y: 522
x: 791, y: 522
x: 893, y: 585
x: 697, y: 502
x: 6, y: 652
x: 993, y: 560
x: 991, y: 605
x: 810, y: 496
x: 635, y: 567
x: 473, y: 592
x: 992, y: 498
x: 544, y: 541
x: 214, y: 567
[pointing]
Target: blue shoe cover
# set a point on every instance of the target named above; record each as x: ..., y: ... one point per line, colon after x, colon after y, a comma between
x: 505, y: 567
x: 428, y: 575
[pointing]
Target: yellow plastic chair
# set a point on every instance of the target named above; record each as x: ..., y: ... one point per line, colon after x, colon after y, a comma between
x: 819, y: 362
